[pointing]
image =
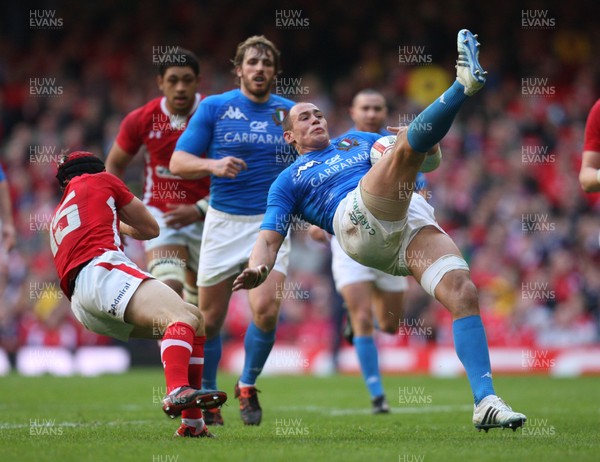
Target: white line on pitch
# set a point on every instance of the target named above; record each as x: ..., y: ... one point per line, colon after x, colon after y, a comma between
x: 12, y: 426
x: 395, y: 410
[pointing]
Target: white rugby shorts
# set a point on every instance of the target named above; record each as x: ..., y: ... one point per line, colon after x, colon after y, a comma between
x: 227, y: 242
x: 189, y: 236
x: 102, y: 291
x: 347, y: 271
x: 368, y: 241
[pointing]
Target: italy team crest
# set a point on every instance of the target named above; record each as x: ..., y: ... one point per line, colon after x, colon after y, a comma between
x: 279, y: 115
x: 346, y: 143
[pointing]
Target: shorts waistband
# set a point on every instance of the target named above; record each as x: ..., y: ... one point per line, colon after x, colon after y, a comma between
x: 239, y: 218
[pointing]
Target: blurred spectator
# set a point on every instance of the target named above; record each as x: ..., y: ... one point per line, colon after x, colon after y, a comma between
x: 506, y: 190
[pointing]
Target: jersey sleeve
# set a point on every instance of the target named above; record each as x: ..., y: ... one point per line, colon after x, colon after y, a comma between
x: 280, y: 205
x: 592, y: 129
x: 197, y: 136
x: 129, y: 137
x: 123, y: 195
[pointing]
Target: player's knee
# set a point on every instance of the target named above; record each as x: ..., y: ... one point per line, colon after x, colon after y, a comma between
x: 464, y: 292
x: 460, y: 294
x: 389, y: 325
x: 191, y: 315
x: 184, y: 313
x: 265, y: 317
x: 213, y: 313
x: 362, y: 320
x: 442, y: 272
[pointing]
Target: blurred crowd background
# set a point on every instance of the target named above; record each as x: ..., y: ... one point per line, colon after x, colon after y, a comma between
x: 507, y: 190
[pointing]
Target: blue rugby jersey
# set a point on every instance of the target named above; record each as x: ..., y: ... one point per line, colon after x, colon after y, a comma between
x: 314, y: 185
x: 230, y: 124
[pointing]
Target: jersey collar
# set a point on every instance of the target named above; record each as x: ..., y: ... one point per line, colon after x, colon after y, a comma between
x: 173, y: 117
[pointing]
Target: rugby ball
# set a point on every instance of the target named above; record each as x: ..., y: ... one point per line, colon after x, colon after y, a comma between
x: 386, y: 143
x: 381, y: 147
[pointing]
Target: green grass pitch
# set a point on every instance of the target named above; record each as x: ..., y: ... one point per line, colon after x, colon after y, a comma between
x: 118, y: 418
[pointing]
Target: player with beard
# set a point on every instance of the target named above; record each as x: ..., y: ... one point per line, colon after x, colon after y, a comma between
x: 240, y: 130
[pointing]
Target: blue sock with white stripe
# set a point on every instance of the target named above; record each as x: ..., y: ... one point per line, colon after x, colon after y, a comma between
x: 212, y: 356
x: 257, y: 345
x: 369, y: 364
x: 472, y: 350
x: 431, y: 125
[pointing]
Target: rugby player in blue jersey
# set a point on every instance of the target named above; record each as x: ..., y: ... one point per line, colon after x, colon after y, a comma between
x: 240, y: 130
x: 369, y: 294
x: 380, y: 223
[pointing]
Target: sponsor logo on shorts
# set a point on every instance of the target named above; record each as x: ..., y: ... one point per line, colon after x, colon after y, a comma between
x: 359, y: 219
x: 113, y: 306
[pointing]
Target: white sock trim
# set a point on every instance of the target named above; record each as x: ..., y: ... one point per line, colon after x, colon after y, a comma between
x: 173, y: 342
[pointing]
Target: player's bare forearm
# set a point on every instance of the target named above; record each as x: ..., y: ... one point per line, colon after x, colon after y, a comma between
x: 189, y: 166
x: 137, y: 222
x: 261, y: 260
x: 117, y: 160
x: 589, y: 176
x: 130, y: 231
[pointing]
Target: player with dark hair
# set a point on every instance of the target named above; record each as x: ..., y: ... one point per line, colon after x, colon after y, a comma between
x: 178, y: 205
x: 240, y: 130
x: 380, y: 223
x: 111, y: 296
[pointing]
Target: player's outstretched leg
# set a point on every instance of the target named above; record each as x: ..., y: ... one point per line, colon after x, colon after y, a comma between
x: 431, y: 125
x: 469, y: 72
x: 394, y: 176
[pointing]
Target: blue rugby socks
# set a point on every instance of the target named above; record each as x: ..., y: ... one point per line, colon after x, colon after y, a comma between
x: 472, y: 350
x: 369, y: 364
x: 431, y: 125
x: 212, y: 356
x: 257, y: 345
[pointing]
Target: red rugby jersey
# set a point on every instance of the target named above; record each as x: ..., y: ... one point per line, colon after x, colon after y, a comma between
x: 85, y: 223
x: 154, y: 127
x: 592, y: 129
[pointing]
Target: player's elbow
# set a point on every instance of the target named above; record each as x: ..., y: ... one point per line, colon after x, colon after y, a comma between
x: 155, y: 231
x: 149, y: 229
